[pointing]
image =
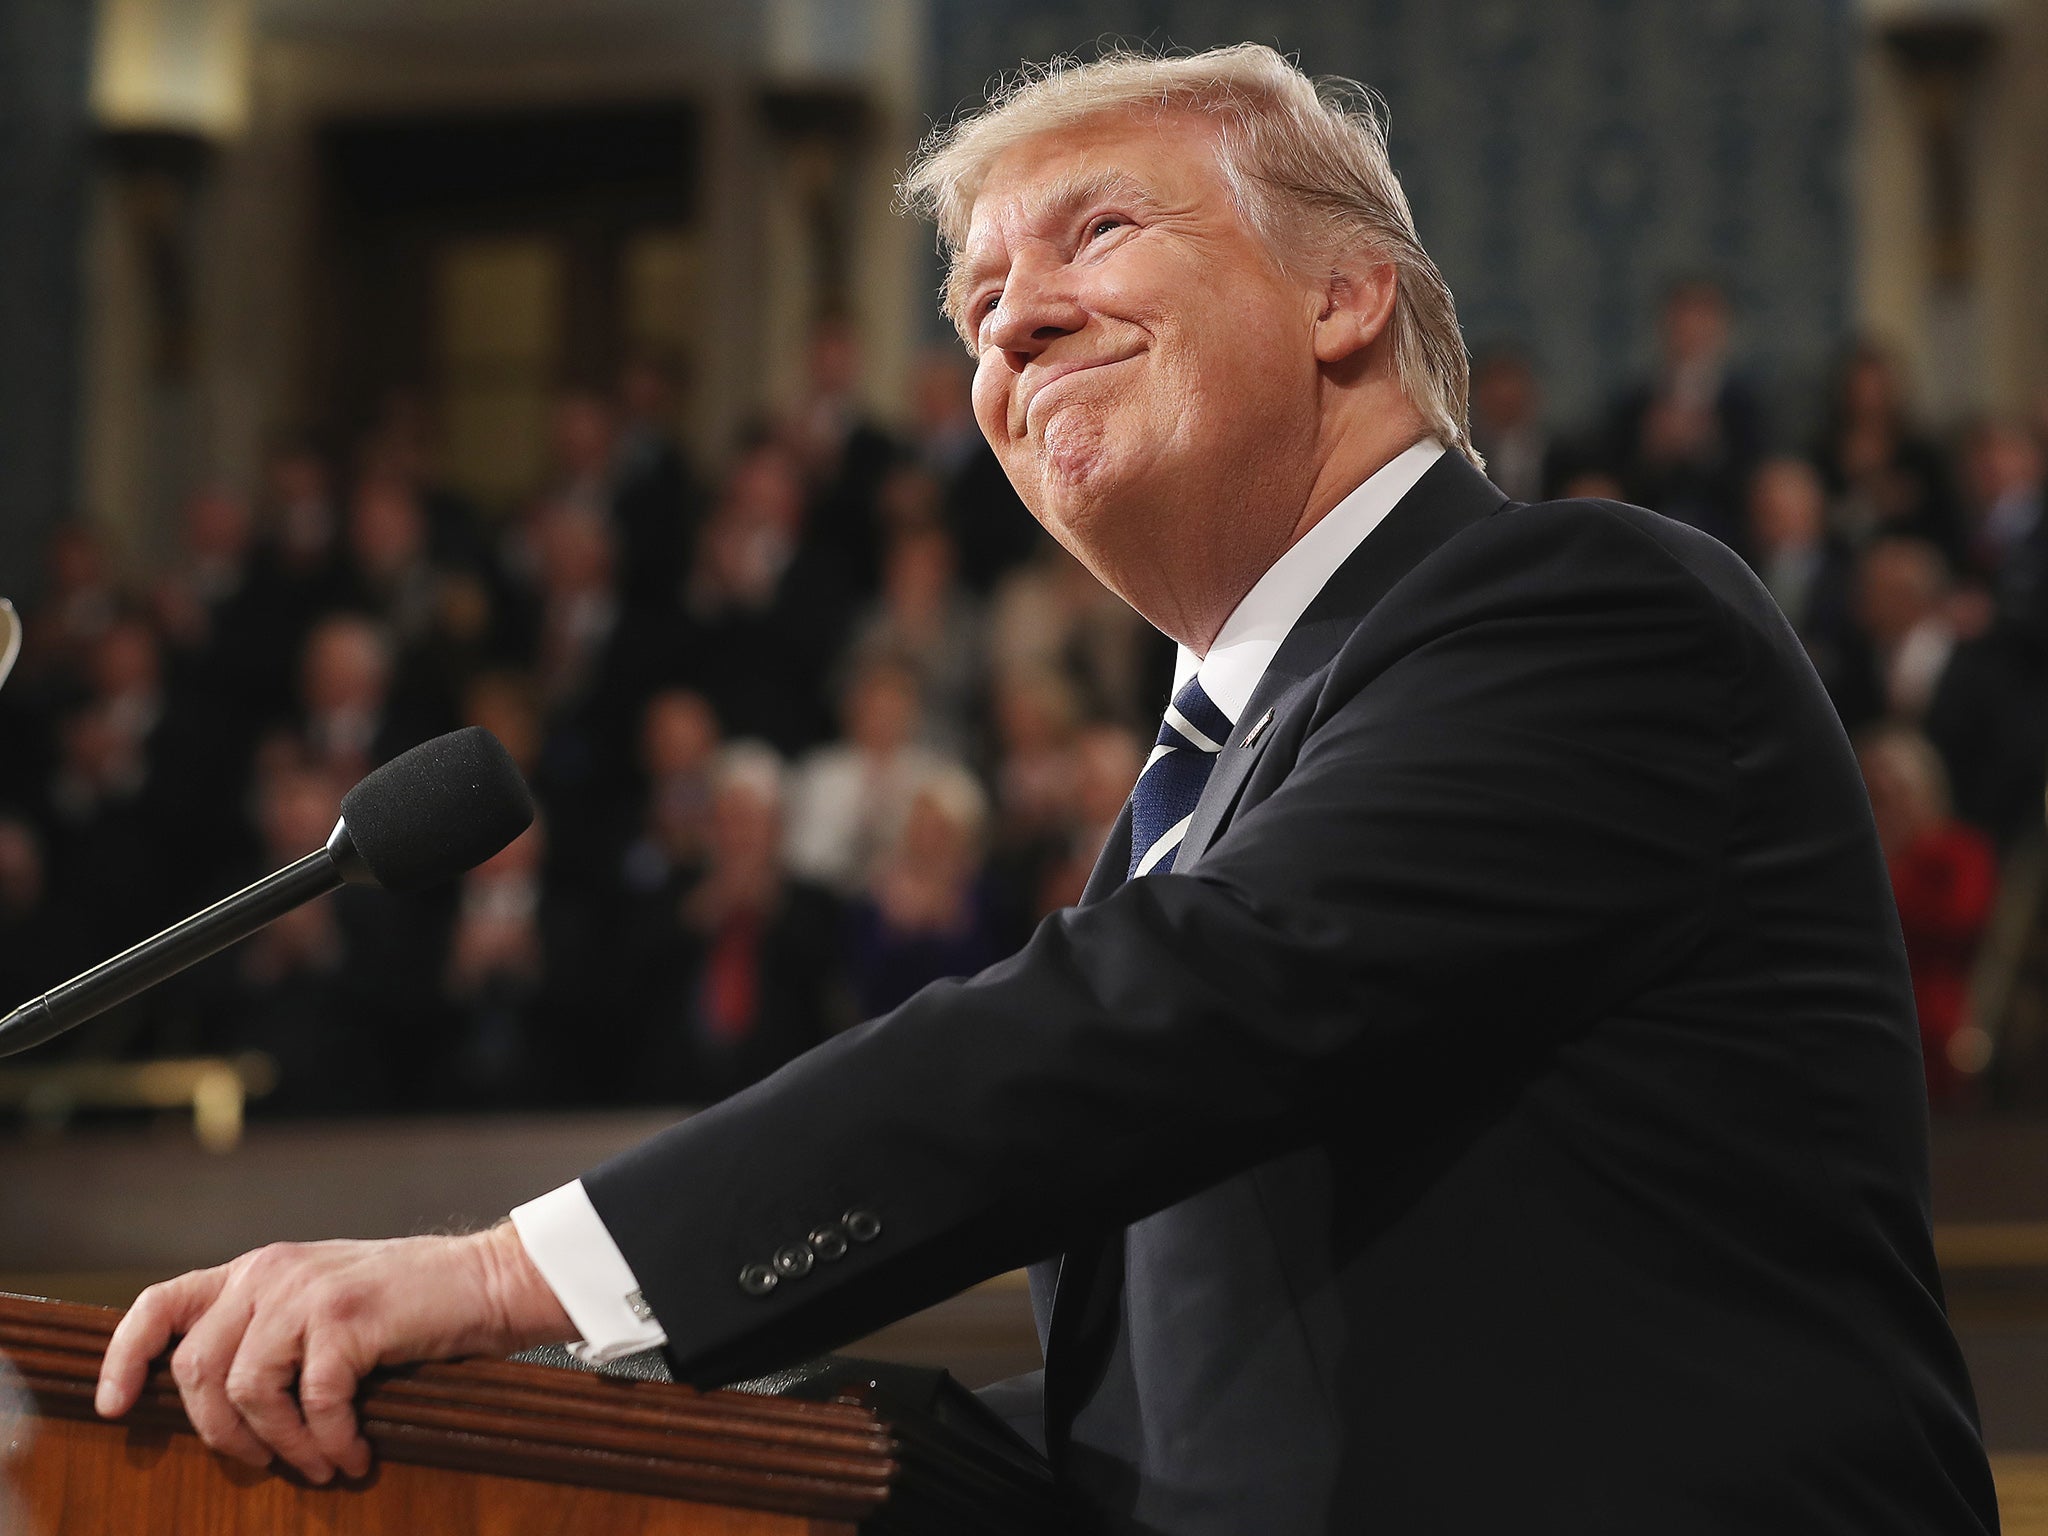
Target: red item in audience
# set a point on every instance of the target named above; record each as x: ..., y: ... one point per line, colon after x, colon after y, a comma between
x: 1944, y: 883
x: 732, y: 979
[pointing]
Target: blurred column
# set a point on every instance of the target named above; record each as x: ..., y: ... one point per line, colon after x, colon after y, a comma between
x: 841, y: 106
x: 1954, y: 204
x: 2014, y: 215
x: 169, y: 88
x: 44, y: 147
x: 1943, y: 57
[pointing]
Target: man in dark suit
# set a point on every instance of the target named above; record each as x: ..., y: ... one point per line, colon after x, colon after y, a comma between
x: 1479, y: 1089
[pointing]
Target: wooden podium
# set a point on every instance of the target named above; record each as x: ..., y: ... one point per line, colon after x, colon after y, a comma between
x: 499, y: 1448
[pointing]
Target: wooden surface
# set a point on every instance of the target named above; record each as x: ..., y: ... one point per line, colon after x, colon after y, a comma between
x: 490, y: 1429
x: 491, y: 1421
x: 79, y: 1479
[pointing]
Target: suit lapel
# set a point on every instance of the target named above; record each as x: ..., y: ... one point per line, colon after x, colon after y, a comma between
x: 1445, y: 501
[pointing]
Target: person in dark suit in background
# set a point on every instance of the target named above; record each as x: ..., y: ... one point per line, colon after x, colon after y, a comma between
x: 1478, y: 1089
x: 1686, y: 438
x: 743, y: 968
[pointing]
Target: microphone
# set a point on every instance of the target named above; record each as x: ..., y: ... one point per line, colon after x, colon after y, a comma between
x: 424, y: 817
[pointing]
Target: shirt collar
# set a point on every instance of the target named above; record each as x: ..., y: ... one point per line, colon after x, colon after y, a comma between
x: 1245, y: 645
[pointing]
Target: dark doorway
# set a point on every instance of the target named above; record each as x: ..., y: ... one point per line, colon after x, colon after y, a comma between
x: 480, y: 262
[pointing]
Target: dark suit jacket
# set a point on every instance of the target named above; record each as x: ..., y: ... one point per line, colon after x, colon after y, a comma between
x: 1508, y: 1116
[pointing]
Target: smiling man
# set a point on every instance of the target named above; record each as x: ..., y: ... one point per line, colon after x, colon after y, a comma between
x: 1479, y: 1089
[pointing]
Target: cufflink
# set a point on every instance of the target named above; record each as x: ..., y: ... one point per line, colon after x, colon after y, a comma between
x: 637, y: 1305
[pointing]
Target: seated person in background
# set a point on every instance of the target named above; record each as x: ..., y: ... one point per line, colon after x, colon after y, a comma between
x: 331, y: 990
x: 654, y: 497
x: 925, y: 619
x: 1906, y: 633
x: 1945, y: 880
x: 927, y: 914
x: 1803, y: 565
x: 679, y: 741
x: 1685, y: 439
x: 766, y: 605
x: 345, y: 695
x: 849, y: 799
x: 1107, y: 761
x: 1931, y: 655
x: 1508, y: 427
x: 509, y: 984
x: 746, y: 970
x: 1884, y: 476
x: 2004, y: 471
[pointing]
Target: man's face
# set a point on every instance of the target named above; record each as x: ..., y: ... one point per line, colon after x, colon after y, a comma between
x: 1146, y: 372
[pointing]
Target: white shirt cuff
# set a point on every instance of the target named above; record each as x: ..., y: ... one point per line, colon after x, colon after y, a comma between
x: 574, y: 1252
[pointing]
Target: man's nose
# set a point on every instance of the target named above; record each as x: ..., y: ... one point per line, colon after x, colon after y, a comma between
x: 1037, y: 308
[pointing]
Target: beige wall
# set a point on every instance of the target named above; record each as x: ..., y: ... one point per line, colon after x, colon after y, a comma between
x: 1987, y: 349
x: 2015, y: 213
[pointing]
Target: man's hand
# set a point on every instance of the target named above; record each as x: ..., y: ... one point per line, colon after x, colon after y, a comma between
x: 320, y: 1316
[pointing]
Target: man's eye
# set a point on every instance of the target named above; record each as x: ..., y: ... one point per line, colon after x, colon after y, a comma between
x: 988, y: 305
x: 1103, y: 226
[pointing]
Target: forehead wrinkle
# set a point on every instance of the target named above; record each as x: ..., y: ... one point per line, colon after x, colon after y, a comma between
x: 1049, y: 205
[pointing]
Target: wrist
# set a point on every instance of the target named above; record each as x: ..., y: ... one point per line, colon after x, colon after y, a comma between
x: 523, y: 1307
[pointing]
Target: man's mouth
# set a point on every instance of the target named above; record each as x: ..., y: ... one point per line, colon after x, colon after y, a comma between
x: 1060, y: 371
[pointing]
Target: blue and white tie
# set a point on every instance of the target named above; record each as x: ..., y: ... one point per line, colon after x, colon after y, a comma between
x: 1163, y: 803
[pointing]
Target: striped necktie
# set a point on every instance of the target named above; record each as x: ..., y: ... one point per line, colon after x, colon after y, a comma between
x: 1163, y: 803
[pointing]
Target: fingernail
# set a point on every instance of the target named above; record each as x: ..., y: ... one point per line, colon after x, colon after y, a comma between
x: 103, y: 1400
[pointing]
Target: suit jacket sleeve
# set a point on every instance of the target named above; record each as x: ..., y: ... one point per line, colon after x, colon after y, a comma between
x: 1501, y: 819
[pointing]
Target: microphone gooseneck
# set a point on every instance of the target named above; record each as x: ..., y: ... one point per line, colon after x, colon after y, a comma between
x: 422, y: 818
x: 154, y: 959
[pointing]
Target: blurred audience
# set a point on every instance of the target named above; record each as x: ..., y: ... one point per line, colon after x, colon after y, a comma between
x: 1883, y: 475
x: 767, y: 604
x: 654, y: 500
x: 844, y: 721
x: 510, y: 983
x: 2008, y: 537
x: 1945, y: 879
x: 927, y: 914
x: 1684, y: 441
x: 991, y: 529
x: 746, y: 969
x: 926, y: 621
x: 851, y: 797
x: 1804, y: 563
x: 1508, y: 427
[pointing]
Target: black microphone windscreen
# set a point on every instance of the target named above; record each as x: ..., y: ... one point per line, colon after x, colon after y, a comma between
x: 437, y: 810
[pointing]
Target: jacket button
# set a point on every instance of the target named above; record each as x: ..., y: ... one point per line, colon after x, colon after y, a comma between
x: 862, y: 1224
x: 829, y: 1242
x: 793, y: 1262
x: 758, y: 1279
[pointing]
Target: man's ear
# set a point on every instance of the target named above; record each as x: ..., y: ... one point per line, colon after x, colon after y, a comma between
x: 1358, y: 301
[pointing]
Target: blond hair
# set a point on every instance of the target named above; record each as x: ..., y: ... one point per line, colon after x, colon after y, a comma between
x: 1306, y: 162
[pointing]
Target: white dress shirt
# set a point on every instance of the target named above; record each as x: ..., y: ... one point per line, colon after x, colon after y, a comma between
x: 562, y: 1232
